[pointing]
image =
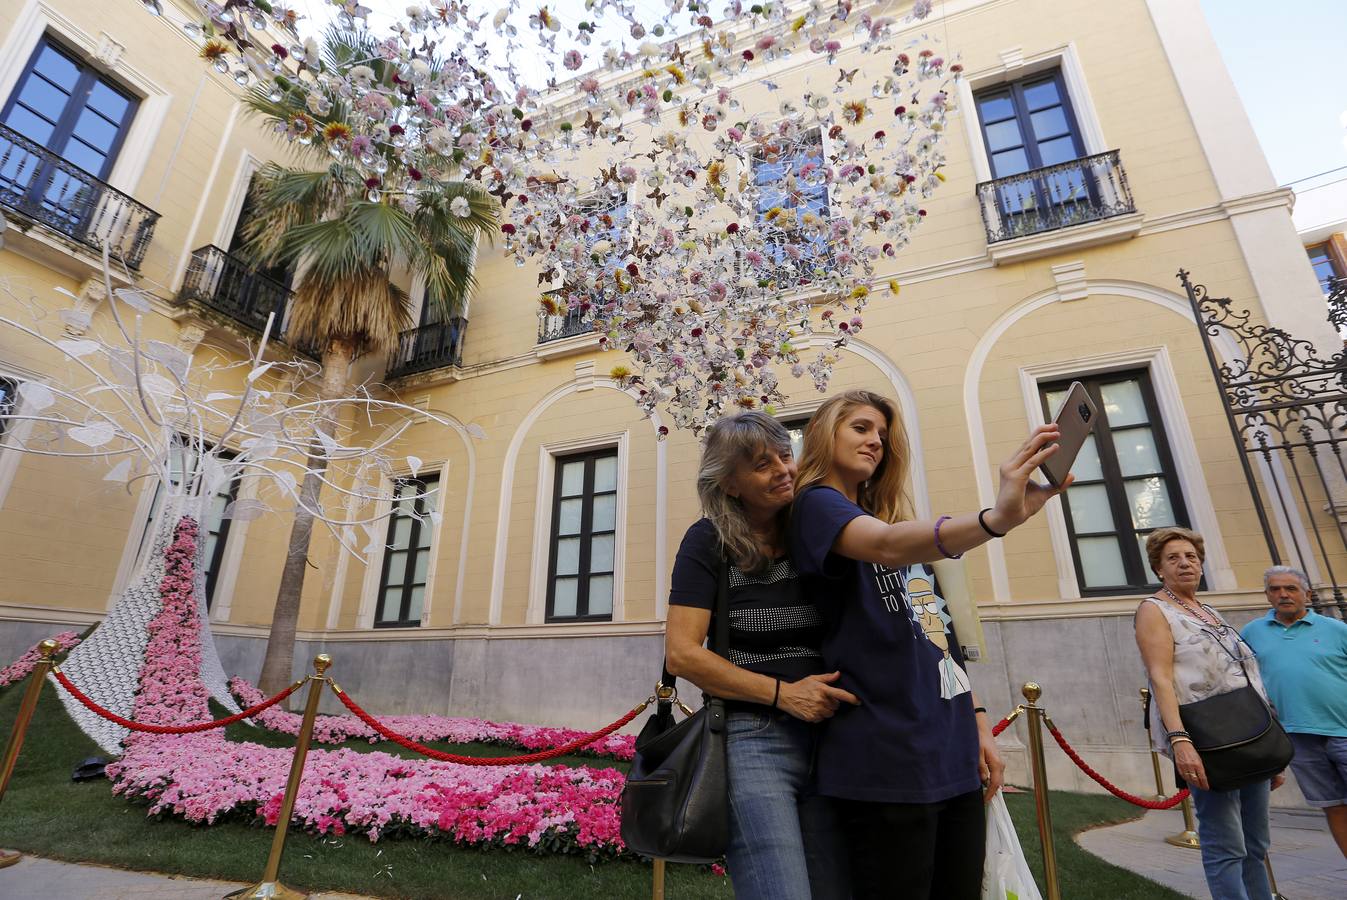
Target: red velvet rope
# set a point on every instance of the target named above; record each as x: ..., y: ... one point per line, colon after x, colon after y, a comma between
x: 1000, y: 726
x: 1167, y: 803
x: 171, y: 729
x: 412, y: 745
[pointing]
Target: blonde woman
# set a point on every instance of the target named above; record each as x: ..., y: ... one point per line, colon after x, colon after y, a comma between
x: 910, y: 766
x: 783, y: 839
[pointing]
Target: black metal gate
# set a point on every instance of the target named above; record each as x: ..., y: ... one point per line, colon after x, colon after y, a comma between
x: 1287, y: 410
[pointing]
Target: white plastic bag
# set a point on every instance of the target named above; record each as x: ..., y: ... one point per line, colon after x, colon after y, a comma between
x: 1006, y: 874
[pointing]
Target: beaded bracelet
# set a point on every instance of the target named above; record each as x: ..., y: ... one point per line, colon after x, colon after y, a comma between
x: 939, y: 546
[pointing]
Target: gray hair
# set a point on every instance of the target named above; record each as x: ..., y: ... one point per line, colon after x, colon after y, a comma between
x: 730, y: 441
x: 1287, y: 570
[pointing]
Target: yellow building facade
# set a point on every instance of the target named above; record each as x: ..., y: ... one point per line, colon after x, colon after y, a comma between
x: 1009, y: 289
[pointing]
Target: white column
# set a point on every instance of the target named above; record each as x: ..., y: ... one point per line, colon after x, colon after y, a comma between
x: 1261, y: 219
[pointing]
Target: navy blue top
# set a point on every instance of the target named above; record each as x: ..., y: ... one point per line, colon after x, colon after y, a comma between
x: 774, y: 630
x: 914, y: 737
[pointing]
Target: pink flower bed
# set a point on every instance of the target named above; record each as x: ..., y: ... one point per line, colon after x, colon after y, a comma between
x: 203, y: 777
x: 455, y: 730
x: 19, y: 669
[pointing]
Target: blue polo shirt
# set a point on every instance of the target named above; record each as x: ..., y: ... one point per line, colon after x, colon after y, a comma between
x: 1304, y: 667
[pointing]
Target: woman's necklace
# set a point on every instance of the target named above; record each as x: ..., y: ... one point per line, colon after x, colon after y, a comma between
x: 1198, y: 613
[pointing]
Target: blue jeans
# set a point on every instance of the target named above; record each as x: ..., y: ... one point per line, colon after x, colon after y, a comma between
x: 784, y: 840
x: 1233, y: 827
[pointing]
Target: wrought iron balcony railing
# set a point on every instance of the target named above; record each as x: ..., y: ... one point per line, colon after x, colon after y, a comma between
x: 1337, y: 302
x: 573, y: 322
x: 40, y: 186
x: 1073, y: 193
x: 226, y: 284
x: 431, y: 346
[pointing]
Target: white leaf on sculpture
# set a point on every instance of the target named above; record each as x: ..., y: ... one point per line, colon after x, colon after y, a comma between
x: 245, y: 510
x: 258, y: 372
x: 414, y: 465
x: 120, y: 472
x: 217, y: 396
x: 175, y: 360
x: 95, y: 435
x: 287, y: 481
x: 77, y: 320
x: 157, y: 386
x: 35, y: 396
x: 77, y: 349
x: 330, y: 446
x: 476, y: 431
x: 213, y: 476
x: 435, y: 517
x: 133, y: 298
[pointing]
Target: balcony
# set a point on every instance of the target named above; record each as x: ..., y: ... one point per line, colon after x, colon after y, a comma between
x: 38, y: 186
x: 1336, y: 297
x: 224, y: 284
x: 555, y: 328
x: 434, y: 345
x: 1089, y: 191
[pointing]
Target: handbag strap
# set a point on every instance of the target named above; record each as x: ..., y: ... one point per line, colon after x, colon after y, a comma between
x: 720, y: 621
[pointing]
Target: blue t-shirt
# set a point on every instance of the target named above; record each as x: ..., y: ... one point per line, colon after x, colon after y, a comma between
x: 914, y: 738
x: 1304, y: 668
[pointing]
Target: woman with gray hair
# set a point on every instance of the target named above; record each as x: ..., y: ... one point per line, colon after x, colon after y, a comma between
x: 782, y: 837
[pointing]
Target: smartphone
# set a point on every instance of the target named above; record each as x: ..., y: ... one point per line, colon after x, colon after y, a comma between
x: 1075, y: 418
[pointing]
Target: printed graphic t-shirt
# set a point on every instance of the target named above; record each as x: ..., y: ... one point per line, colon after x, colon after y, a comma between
x: 914, y: 738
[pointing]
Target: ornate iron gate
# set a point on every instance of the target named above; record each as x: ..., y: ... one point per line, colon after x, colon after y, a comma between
x: 1287, y: 411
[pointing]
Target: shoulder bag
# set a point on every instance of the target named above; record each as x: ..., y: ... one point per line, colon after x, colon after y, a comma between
x: 1237, y: 735
x: 675, y: 805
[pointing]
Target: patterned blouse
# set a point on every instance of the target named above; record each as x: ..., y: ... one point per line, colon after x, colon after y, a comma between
x: 1206, y: 663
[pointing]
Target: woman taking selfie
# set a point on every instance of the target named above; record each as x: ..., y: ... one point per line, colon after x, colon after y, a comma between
x: 782, y: 836
x: 1191, y: 654
x: 911, y: 765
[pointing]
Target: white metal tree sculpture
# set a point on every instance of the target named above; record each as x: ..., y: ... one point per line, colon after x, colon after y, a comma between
x: 151, y: 410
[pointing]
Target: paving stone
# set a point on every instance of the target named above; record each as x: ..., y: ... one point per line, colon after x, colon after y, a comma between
x: 33, y: 877
x: 1305, y: 861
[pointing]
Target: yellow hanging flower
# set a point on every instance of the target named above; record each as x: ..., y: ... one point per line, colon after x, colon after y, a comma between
x: 679, y: 76
x: 859, y: 292
x: 893, y: 286
x: 619, y: 373
x: 797, y: 25
x: 213, y: 49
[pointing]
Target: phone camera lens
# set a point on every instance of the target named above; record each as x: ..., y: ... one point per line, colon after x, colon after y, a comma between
x: 1084, y: 411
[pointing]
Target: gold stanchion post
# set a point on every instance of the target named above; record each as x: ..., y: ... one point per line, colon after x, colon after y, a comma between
x: 269, y: 888
x: 46, y: 650
x: 1272, y: 879
x: 1032, y: 692
x: 1186, y: 838
x: 657, y: 884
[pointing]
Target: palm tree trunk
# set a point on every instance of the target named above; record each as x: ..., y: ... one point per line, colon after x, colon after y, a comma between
x: 279, y: 662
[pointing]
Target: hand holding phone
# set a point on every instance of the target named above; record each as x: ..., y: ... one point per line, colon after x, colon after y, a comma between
x: 1074, y: 421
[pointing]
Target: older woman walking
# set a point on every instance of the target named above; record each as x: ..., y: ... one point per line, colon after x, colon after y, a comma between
x: 1192, y: 653
x: 783, y: 843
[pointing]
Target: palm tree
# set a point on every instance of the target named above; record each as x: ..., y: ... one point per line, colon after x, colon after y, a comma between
x: 344, y: 233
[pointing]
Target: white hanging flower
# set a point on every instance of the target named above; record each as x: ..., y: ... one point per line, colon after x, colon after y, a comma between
x: 460, y: 207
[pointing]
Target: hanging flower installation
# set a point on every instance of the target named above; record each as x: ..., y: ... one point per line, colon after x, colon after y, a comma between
x: 657, y: 176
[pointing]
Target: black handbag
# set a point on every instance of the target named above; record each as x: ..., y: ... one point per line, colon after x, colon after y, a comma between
x: 675, y: 805
x: 1237, y: 735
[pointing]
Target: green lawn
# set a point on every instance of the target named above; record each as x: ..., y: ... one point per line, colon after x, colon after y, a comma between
x: 45, y: 813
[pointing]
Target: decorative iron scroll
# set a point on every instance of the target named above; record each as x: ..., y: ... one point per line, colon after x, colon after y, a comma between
x: 1287, y: 409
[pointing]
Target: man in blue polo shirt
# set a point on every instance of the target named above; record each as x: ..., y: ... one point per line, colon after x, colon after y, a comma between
x: 1303, y: 658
